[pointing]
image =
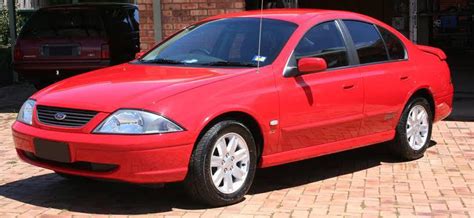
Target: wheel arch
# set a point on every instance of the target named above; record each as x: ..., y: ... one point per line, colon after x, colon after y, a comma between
x: 425, y: 93
x: 246, y: 118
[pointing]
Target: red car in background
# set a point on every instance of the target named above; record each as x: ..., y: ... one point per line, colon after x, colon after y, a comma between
x: 209, y: 106
x: 61, y: 41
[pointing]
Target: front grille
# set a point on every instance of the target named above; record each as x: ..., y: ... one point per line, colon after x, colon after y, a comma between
x: 64, y: 117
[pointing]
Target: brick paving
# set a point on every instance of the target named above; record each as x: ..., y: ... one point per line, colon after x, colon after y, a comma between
x: 365, y: 182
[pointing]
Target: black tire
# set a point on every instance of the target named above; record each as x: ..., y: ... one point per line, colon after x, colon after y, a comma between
x: 199, y: 182
x: 400, y: 145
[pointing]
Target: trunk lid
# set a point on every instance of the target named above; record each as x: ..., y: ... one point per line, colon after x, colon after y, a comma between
x: 434, y: 51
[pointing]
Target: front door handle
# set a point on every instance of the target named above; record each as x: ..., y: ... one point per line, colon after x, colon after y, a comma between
x: 350, y: 86
x: 403, y: 77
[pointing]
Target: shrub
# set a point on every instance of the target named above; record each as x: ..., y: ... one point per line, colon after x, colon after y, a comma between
x: 21, y: 18
x: 3, y: 27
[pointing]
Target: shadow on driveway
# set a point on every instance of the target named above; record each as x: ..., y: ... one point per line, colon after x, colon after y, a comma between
x: 100, y: 197
x: 13, y: 96
x: 463, y: 108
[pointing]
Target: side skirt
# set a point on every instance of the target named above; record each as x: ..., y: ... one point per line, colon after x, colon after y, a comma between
x: 324, y: 149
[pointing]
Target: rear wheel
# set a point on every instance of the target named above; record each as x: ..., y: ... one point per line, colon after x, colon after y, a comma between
x: 222, y: 165
x: 413, y: 133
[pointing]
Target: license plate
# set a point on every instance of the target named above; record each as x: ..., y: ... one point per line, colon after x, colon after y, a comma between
x: 51, y: 150
x: 60, y: 51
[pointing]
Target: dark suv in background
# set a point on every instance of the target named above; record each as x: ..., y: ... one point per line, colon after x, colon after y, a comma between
x: 61, y: 41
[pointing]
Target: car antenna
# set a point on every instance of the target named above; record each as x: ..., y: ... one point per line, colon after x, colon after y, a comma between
x: 260, y: 37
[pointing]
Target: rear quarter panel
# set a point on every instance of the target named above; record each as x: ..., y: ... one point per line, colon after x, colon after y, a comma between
x: 431, y: 73
x: 434, y: 75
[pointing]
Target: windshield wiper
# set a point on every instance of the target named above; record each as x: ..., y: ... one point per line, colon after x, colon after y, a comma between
x: 231, y: 64
x: 161, y: 61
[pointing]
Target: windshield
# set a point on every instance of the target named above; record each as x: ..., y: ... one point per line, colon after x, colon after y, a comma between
x: 64, y: 23
x: 224, y: 42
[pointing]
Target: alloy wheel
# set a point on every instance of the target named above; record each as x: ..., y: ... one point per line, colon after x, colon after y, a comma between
x: 230, y: 162
x: 417, y: 127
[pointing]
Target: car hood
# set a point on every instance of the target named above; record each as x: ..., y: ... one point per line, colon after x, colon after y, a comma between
x: 129, y: 86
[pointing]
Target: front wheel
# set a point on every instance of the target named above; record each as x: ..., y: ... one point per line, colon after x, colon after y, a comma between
x: 222, y: 165
x: 413, y: 133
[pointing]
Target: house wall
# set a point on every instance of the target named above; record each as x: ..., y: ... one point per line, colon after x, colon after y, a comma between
x: 178, y: 14
x: 147, y: 30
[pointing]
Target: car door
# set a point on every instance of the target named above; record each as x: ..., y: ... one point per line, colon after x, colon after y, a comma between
x: 381, y: 62
x: 322, y: 107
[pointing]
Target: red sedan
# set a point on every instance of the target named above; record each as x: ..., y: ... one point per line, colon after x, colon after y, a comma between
x: 208, y: 106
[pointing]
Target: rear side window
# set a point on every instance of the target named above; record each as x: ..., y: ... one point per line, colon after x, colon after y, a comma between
x: 367, y: 41
x: 64, y: 23
x: 395, y: 48
x: 324, y: 41
x: 117, y: 21
x: 134, y: 18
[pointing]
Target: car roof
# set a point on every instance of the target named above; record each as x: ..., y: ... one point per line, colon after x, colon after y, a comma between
x: 297, y: 16
x: 90, y: 5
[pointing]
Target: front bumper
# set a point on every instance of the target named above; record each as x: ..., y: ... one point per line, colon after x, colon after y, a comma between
x: 137, y: 159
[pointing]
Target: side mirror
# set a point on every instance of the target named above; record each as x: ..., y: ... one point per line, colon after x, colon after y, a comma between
x: 139, y: 55
x: 311, y: 65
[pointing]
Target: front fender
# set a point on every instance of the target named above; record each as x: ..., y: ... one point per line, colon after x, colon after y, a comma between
x: 252, y: 93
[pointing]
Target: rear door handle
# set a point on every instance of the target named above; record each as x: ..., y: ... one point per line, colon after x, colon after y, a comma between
x: 348, y: 86
x: 403, y: 77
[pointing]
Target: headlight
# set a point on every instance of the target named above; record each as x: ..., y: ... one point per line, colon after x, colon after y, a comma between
x: 136, y: 122
x: 26, y: 112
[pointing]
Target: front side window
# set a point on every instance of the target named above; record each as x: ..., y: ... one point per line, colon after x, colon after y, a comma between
x: 395, y: 48
x: 324, y: 41
x: 224, y: 42
x: 367, y: 41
